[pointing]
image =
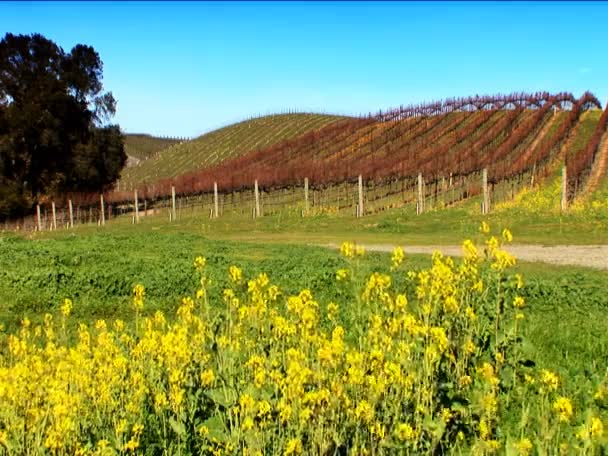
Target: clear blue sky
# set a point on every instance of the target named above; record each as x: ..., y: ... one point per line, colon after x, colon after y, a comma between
x: 186, y: 68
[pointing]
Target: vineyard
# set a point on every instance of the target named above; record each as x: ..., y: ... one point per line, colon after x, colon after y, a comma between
x: 143, y: 147
x: 496, y: 149
x: 222, y: 144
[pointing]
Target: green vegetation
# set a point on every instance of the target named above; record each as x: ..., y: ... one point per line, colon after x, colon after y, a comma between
x: 36, y: 275
x: 224, y: 143
x: 584, y: 131
x: 143, y: 146
x: 394, y: 226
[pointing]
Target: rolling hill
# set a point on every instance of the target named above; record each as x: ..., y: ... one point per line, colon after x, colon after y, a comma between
x: 222, y: 144
x: 517, y: 138
x: 141, y: 146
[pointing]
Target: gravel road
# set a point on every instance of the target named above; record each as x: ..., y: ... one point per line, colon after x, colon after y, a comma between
x: 595, y: 256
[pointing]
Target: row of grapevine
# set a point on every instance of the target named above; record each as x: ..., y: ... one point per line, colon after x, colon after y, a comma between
x: 579, y: 165
x: 450, y: 142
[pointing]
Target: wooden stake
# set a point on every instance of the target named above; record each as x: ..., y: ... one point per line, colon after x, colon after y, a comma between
x: 485, y: 208
x: 54, y: 215
x: 257, y: 199
x: 360, y: 196
x: 306, y: 195
x: 564, y: 202
x: 215, y: 205
x: 172, y: 202
x: 136, y: 208
x: 38, y: 217
x: 71, y: 208
x: 103, y: 210
x: 533, y: 174
x: 420, y: 202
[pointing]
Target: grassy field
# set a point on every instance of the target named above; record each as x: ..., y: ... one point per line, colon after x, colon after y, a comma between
x: 37, y: 274
x: 564, y: 328
x: 397, y: 226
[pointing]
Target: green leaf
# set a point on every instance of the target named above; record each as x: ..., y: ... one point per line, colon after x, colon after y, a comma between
x: 177, y: 427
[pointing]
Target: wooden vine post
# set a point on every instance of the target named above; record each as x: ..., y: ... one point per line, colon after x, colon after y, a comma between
x: 306, y: 206
x: 38, y: 217
x: 215, y: 203
x: 71, y: 209
x: 173, y: 213
x: 54, y: 215
x: 136, y: 207
x: 564, y: 202
x: 360, y: 206
x: 485, y: 205
x: 103, y: 210
x: 257, y: 199
x: 420, y: 199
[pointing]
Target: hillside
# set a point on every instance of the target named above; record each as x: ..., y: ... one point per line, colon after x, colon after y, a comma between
x: 142, y: 146
x: 520, y: 139
x: 508, y: 135
x: 222, y: 144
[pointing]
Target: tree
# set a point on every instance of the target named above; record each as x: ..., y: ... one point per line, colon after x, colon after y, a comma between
x: 53, y: 112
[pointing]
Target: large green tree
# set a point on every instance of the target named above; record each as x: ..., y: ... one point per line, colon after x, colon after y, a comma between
x: 54, y: 112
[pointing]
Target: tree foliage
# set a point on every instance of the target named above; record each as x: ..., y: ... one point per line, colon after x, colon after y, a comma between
x: 54, y: 135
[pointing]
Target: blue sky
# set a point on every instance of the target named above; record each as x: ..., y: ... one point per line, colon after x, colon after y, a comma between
x: 182, y: 69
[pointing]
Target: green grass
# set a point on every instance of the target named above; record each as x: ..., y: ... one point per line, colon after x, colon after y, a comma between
x: 584, y: 132
x: 222, y: 144
x: 397, y: 226
x: 566, y: 327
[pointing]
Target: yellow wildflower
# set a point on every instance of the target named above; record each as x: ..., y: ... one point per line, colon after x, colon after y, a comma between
x: 397, y: 257
x: 199, y: 263
x: 549, y: 379
x: 235, y: 274
x: 66, y: 307
x: 293, y: 446
x: 405, y: 432
x: 563, y: 407
x: 524, y: 446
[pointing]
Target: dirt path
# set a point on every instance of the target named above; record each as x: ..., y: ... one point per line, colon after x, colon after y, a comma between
x: 594, y: 256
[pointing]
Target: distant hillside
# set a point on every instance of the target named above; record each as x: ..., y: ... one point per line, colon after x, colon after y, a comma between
x: 142, y: 146
x: 516, y: 138
x: 216, y: 146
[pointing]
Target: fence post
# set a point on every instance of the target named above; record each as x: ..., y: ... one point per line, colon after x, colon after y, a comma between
x: 54, y: 215
x: 360, y: 196
x: 257, y: 199
x: 103, y: 210
x: 136, y: 208
x: 420, y: 202
x: 533, y: 174
x: 215, y: 204
x: 485, y: 208
x: 71, y: 208
x: 306, y: 196
x: 38, y: 217
x: 564, y: 202
x: 173, y: 213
